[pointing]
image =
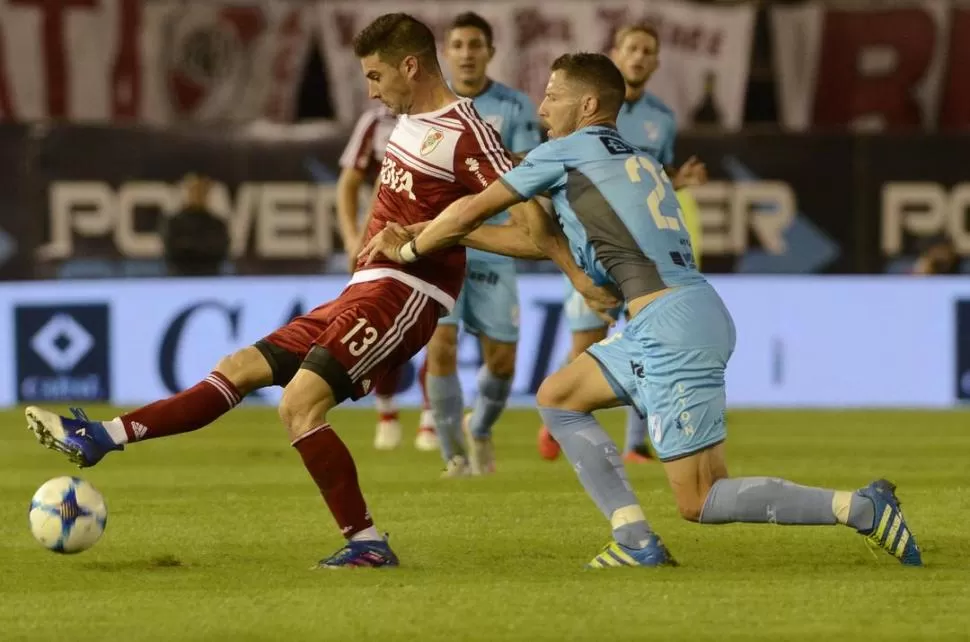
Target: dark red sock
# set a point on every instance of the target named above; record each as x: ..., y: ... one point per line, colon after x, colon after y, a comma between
x: 423, y: 382
x: 189, y: 410
x: 384, y: 390
x: 332, y: 468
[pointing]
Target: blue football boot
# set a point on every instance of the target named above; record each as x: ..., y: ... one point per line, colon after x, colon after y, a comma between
x: 362, y: 554
x: 85, y: 442
x: 616, y: 554
x: 889, y: 529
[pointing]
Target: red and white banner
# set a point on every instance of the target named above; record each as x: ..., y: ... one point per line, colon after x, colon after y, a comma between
x: 873, y: 65
x: 160, y: 62
x: 705, y: 49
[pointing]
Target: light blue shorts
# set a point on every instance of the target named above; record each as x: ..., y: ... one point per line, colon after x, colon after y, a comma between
x: 668, y: 363
x: 489, y: 301
x: 579, y: 316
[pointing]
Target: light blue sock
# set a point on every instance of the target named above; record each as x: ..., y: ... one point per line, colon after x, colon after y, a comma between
x: 447, y: 403
x: 636, y: 429
x: 776, y: 501
x: 597, y: 462
x: 493, y: 393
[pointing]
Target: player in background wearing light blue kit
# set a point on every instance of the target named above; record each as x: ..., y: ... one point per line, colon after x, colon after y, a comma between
x: 618, y: 211
x: 650, y: 125
x: 489, y: 303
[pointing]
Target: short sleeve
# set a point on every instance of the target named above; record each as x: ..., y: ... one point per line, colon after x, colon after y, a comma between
x: 541, y: 170
x: 480, y: 157
x: 359, y: 150
x: 667, y: 151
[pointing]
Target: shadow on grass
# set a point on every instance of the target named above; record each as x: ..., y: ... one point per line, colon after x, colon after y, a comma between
x: 155, y: 563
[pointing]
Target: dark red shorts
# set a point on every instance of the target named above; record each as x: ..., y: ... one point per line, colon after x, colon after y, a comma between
x: 367, y: 332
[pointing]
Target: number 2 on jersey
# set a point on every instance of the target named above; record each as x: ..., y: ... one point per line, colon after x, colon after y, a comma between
x: 633, y: 166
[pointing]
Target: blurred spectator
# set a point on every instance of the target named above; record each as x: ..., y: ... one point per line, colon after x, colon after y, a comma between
x: 939, y: 256
x: 196, y: 241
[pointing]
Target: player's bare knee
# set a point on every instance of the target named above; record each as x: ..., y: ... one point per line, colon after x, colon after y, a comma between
x: 443, y: 352
x: 553, y: 393
x: 247, y: 369
x: 303, y: 407
x: 690, y: 509
x: 500, y: 359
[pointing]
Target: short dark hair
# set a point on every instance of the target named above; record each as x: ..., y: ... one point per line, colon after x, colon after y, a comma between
x: 394, y: 36
x: 472, y: 19
x: 597, y: 72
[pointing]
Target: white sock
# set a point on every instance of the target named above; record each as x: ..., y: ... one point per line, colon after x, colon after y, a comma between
x: 385, y: 405
x: 116, y: 430
x: 427, y: 419
x: 369, y: 534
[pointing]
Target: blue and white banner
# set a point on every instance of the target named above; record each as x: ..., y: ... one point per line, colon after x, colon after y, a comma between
x: 802, y: 341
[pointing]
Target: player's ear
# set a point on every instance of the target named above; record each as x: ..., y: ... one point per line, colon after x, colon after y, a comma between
x: 491, y: 53
x: 409, y: 67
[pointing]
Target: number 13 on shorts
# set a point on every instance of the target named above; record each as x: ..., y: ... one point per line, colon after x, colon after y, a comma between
x: 360, y: 337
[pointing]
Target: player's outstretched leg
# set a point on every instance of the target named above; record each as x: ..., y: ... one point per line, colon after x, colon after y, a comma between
x: 705, y: 494
x: 447, y: 402
x: 388, y: 435
x: 306, y: 401
x: 566, y: 400
x: 86, y: 442
x: 426, y: 438
x: 494, y: 385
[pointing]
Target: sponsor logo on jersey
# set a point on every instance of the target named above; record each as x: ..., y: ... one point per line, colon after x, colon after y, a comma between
x: 431, y: 140
x: 473, y: 167
x: 396, y: 178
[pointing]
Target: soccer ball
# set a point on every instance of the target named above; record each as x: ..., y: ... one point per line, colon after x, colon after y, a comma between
x: 67, y: 515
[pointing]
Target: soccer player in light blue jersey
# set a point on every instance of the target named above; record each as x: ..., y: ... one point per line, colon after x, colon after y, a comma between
x: 649, y: 124
x: 489, y: 304
x: 617, y: 209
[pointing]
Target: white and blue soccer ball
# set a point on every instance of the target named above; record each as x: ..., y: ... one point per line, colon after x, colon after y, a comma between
x: 67, y: 515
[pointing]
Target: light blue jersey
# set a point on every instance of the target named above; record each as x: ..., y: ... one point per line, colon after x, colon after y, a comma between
x: 650, y: 125
x: 617, y: 208
x: 513, y: 115
x: 489, y: 300
x: 625, y: 229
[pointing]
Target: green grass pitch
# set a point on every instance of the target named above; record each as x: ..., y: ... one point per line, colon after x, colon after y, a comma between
x: 211, y: 536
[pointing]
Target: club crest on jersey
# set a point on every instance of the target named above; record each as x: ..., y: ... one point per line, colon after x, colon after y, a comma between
x: 431, y: 140
x: 653, y: 132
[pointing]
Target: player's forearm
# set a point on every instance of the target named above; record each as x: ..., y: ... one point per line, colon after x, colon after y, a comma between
x: 508, y: 240
x: 547, y: 237
x: 348, y: 186
x: 464, y: 216
x: 449, y: 228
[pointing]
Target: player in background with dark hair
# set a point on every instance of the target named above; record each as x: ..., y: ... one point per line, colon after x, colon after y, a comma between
x: 617, y: 207
x: 360, y: 164
x: 489, y: 304
x: 648, y: 123
x: 384, y: 316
